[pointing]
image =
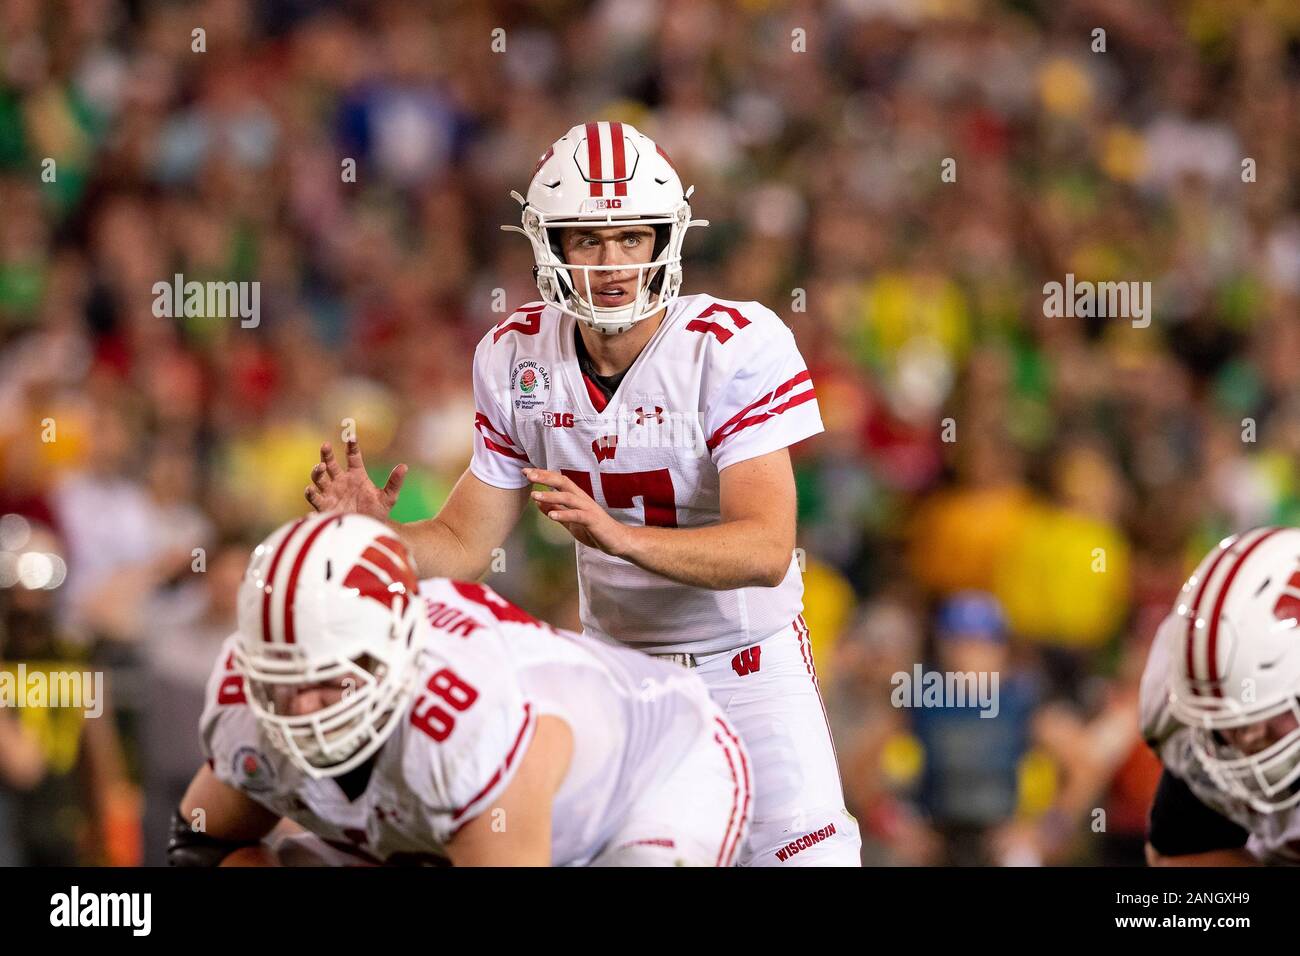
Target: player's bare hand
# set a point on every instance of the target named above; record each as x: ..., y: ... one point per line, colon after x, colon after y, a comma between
x: 335, y: 488
x: 582, y: 517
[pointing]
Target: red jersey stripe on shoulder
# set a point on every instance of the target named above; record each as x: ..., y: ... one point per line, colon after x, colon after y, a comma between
x: 501, y: 450
x: 719, y: 437
x: 482, y: 422
x: 776, y: 393
x: 508, y: 449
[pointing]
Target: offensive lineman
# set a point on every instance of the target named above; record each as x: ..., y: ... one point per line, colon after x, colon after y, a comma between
x: 1220, y: 709
x: 447, y: 724
x: 661, y: 426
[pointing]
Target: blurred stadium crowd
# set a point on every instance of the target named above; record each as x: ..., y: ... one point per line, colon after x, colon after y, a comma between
x: 995, y: 491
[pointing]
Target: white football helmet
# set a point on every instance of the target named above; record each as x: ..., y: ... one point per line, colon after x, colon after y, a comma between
x: 606, y: 174
x: 1236, y: 643
x: 326, y: 598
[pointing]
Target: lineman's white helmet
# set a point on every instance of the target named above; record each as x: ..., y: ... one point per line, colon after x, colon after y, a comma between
x: 1237, y: 648
x: 330, y: 597
x: 601, y: 175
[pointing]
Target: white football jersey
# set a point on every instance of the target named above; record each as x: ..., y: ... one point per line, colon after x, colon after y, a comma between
x: 1274, y: 837
x: 718, y: 383
x: 489, y: 671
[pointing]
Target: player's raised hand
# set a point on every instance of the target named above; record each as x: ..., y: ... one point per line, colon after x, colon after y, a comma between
x: 572, y: 507
x: 350, y: 489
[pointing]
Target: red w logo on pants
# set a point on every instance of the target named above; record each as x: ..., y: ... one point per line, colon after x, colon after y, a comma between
x: 384, y: 572
x: 746, y: 661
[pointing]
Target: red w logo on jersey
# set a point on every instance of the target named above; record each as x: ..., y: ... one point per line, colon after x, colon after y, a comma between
x: 384, y: 572
x: 746, y: 661
x: 1288, y: 605
x: 605, y: 447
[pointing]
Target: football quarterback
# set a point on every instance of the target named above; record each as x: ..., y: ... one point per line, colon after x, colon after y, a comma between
x: 659, y: 426
x: 436, y: 722
x: 1219, y: 707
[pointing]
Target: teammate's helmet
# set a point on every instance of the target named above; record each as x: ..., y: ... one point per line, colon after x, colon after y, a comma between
x: 601, y: 175
x: 1236, y: 640
x: 330, y: 598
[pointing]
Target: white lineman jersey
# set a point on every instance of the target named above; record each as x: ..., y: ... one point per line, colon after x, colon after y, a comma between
x: 657, y: 775
x: 718, y: 383
x: 1274, y: 837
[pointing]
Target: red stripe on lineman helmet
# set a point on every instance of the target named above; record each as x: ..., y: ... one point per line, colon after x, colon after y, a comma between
x: 1193, y: 611
x: 268, y: 591
x: 1211, y: 642
x: 618, y: 146
x: 292, y: 584
x: 594, y: 167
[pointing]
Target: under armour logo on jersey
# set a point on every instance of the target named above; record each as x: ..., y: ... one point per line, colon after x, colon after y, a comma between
x: 657, y: 416
x: 746, y: 661
x: 1288, y: 605
x: 605, y: 447
x: 383, y: 572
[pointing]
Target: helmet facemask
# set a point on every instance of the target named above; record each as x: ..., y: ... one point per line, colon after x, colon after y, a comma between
x: 339, y: 737
x: 1268, y: 779
x: 568, y: 287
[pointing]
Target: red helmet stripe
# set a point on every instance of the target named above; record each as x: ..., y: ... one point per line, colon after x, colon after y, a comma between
x: 270, y: 576
x: 292, y: 584
x: 620, y: 159
x: 667, y: 159
x: 550, y: 151
x: 1191, y: 617
x: 593, y: 159
x: 1210, y: 659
